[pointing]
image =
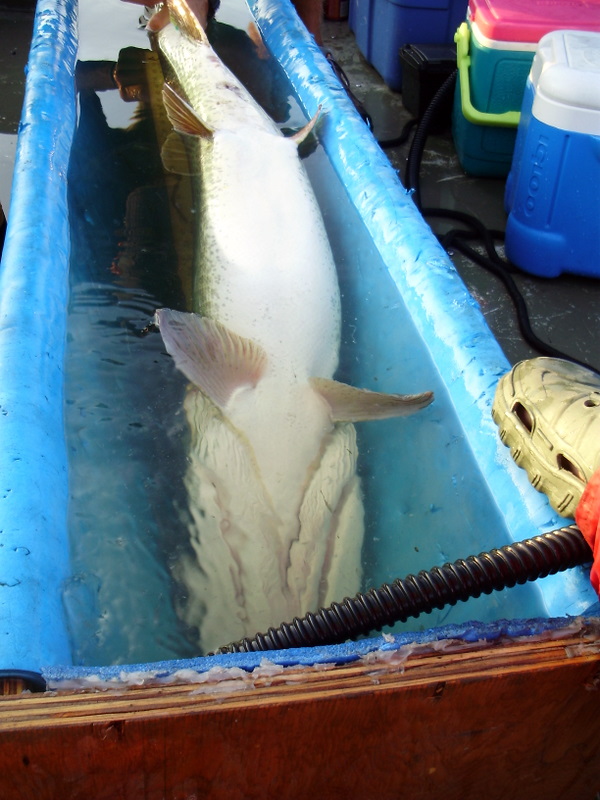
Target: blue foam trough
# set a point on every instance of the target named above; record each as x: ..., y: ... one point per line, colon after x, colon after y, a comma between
x: 438, y: 489
x: 34, y: 557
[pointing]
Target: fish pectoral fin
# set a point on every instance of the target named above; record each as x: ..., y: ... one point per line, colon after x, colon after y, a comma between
x: 211, y: 356
x: 349, y: 404
x: 182, y: 116
x: 180, y: 154
x: 302, y: 134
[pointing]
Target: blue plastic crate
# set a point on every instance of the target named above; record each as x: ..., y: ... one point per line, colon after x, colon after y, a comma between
x: 383, y: 27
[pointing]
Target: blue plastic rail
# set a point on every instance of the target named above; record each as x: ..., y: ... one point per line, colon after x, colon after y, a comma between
x: 34, y: 556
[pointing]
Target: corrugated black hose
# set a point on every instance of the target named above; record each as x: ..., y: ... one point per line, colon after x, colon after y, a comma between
x: 394, y: 602
x: 415, y: 154
x: 458, y: 238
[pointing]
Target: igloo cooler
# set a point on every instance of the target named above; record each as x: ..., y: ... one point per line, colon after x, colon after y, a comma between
x: 552, y: 196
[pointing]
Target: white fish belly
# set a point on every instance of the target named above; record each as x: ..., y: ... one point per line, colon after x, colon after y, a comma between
x: 266, y: 270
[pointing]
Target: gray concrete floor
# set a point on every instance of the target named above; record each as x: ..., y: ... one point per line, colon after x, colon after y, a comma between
x: 565, y: 312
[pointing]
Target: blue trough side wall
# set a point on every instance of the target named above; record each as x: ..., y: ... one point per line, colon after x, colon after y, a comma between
x: 34, y: 557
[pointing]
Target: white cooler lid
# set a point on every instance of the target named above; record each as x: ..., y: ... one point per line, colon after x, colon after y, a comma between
x: 566, y: 78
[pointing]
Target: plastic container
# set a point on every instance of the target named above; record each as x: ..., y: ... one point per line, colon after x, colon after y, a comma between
x: 425, y: 68
x: 552, y: 195
x: 359, y: 21
x: 495, y: 50
x: 383, y: 27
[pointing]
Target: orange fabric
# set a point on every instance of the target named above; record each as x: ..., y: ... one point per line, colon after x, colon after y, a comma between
x: 587, y: 517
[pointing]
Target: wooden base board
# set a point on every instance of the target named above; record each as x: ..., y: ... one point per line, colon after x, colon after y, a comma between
x: 514, y: 719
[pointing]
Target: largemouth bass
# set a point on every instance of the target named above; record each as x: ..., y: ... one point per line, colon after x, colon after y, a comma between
x: 276, y: 516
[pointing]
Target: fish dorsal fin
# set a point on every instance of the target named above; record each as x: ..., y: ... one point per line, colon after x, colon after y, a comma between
x: 301, y: 135
x: 211, y: 356
x: 182, y: 116
x: 184, y: 18
x: 349, y: 404
x: 180, y: 154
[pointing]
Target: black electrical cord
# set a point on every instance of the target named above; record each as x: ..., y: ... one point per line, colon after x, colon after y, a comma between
x: 458, y: 238
x: 415, y: 155
x: 498, y: 266
x: 2, y: 229
x: 398, y: 141
x: 477, y: 232
x: 343, y: 79
x: 394, y: 602
x: 520, y: 306
x: 31, y: 681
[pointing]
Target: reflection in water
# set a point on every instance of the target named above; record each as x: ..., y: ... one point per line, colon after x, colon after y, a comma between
x: 125, y: 446
x: 124, y: 441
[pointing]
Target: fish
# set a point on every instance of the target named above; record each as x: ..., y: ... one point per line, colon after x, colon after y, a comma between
x: 276, y: 517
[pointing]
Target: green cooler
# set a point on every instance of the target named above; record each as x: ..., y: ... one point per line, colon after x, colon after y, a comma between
x: 495, y: 49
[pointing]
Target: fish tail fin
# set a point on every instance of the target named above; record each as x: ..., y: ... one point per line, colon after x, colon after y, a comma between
x: 186, y: 20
